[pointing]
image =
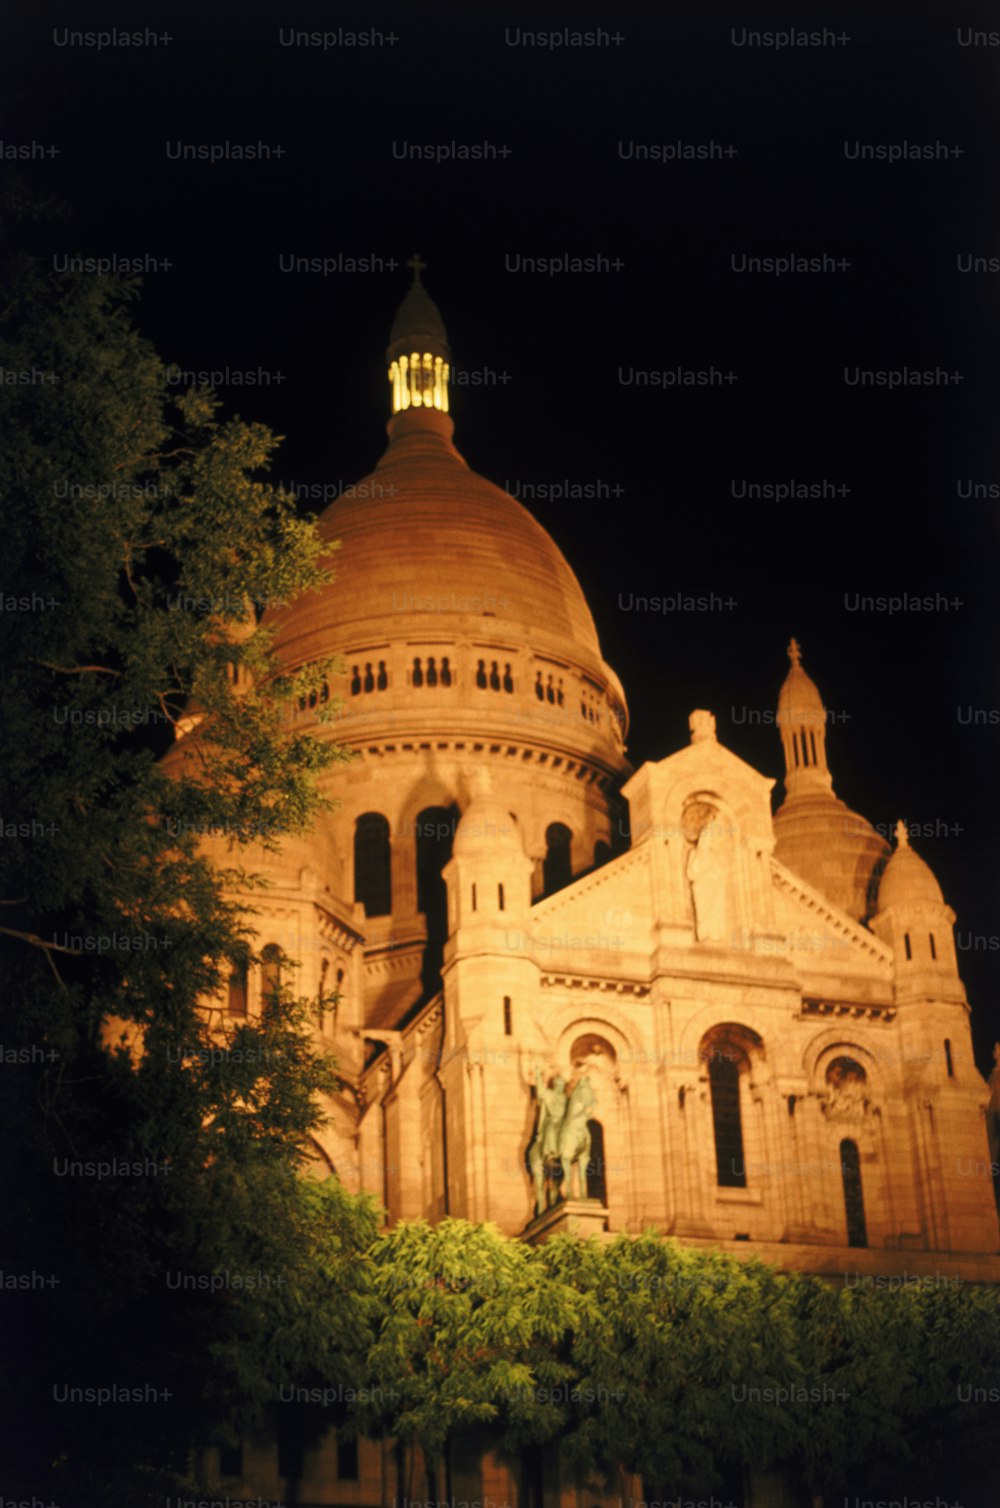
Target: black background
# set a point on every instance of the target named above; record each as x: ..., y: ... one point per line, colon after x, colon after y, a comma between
x: 899, y: 746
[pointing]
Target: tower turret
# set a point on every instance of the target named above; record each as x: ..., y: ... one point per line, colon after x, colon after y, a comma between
x: 915, y: 921
x: 816, y: 834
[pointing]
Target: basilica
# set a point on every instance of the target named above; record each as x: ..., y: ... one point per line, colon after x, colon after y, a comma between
x: 574, y: 996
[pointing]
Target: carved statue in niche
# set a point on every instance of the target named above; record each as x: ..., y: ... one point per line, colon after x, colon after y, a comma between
x: 543, y: 1154
x: 708, y: 876
x: 846, y: 1090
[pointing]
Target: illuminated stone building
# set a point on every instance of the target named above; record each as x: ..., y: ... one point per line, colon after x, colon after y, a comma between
x: 767, y: 1008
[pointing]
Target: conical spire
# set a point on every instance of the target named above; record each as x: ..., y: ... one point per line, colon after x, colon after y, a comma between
x: 802, y: 723
x: 418, y: 354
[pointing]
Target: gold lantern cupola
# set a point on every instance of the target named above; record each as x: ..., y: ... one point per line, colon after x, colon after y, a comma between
x: 418, y: 354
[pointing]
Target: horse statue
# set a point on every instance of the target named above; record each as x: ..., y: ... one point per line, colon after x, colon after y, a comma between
x: 574, y: 1138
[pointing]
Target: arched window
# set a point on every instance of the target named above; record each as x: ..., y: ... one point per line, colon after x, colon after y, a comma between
x: 418, y: 675
x: 237, y: 990
x: 539, y: 688
x: 724, y: 1083
x: 445, y: 671
x: 435, y: 834
x: 597, y: 1172
x: 369, y: 679
x: 432, y: 674
x: 372, y: 864
x: 383, y: 676
x: 494, y: 676
x: 481, y: 681
x: 557, y: 867
x: 270, y: 971
x: 355, y: 681
x: 508, y: 679
x: 854, y: 1203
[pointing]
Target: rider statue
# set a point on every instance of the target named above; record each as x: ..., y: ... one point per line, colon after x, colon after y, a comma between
x: 543, y: 1154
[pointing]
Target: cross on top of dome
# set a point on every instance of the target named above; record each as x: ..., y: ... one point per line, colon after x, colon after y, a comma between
x: 794, y: 651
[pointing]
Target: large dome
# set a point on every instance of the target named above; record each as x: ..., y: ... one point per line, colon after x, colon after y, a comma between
x: 455, y: 614
x: 427, y: 547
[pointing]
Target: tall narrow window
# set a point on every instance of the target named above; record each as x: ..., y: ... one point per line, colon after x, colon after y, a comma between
x: 948, y: 1059
x: 237, y: 995
x: 597, y: 1180
x: 347, y: 1459
x: 500, y: 901
x: 445, y: 671
x: 481, y: 680
x: 724, y: 1082
x: 473, y: 896
x: 231, y: 1460
x: 270, y: 971
x: 812, y: 744
x: 383, y: 676
x: 533, y: 1477
x: 435, y: 833
x: 432, y: 675
x: 372, y: 864
x: 369, y: 681
x: 494, y: 676
x: 854, y: 1203
x: 356, y: 682
x: 418, y: 674
x: 291, y: 1446
x: 933, y: 946
x: 906, y: 945
x: 508, y: 1025
x: 557, y: 865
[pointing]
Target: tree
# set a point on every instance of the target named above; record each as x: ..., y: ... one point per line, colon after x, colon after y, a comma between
x: 470, y: 1334
x: 157, y: 1236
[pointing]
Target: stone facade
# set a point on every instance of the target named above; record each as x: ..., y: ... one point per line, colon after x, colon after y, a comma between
x: 767, y: 1008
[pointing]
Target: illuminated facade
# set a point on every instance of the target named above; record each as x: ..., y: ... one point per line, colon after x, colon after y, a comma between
x: 767, y: 1007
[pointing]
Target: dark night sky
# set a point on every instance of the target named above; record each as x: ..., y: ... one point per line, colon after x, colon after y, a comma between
x: 905, y: 681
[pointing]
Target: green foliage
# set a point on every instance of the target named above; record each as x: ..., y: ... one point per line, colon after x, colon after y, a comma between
x: 139, y: 545
x: 646, y: 1360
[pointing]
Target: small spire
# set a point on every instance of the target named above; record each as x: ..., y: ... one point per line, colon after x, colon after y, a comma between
x: 902, y: 836
x: 794, y: 651
x: 419, y: 265
x: 702, y: 726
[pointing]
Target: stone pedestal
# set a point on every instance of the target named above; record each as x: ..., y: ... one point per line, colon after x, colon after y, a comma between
x: 571, y: 1217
